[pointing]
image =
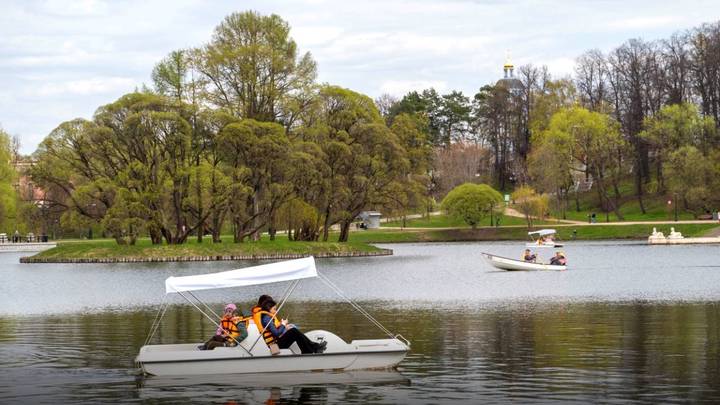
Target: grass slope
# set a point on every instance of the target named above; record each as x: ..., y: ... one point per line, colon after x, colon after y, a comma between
x: 107, y: 248
x: 445, y: 221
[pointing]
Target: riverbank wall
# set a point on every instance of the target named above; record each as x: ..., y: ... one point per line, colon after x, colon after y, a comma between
x: 26, y: 247
x: 282, y: 256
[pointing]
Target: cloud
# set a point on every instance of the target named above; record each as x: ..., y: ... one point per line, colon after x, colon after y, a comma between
x: 648, y: 22
x: 97, y: 85
x: 74, y: 8
x: 401, y: 87
x: 66, y: 58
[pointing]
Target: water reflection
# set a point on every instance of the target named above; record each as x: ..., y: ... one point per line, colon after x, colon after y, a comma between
x: 633, y: 352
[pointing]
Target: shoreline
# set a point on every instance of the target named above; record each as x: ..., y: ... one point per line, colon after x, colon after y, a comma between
x: 271, y: 256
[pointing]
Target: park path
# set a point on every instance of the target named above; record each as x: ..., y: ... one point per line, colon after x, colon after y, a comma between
x: 560, y: 222
x: 512, y: 212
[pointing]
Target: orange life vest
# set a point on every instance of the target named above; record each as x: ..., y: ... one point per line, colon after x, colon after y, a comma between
x: 229, y: 324
x: 257, y: 314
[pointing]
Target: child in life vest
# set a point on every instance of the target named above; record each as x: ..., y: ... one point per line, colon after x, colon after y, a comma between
x: 232, y: 330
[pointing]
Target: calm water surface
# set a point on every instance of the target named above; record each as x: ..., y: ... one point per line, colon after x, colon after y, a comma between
x: 627, y: 323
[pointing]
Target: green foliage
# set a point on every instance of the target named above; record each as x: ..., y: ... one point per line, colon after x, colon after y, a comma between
x: 694, y: 178
x: 530, y: 204
x: 471, y: 202
x: 7, y: 179
x: 252, y: 67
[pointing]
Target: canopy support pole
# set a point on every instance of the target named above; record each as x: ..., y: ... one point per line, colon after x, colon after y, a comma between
x: 156, y: 322
x: 285, y: 296
x: 211, y: 319
x: 360, y: 309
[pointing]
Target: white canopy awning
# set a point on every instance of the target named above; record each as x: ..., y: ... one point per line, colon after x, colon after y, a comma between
x: 264, y: 274
x: 542, y: 232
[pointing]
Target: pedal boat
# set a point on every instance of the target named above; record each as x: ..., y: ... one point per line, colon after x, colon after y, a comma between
x: 505, y: 263
x: 252, y: 355
x: 537, y: 242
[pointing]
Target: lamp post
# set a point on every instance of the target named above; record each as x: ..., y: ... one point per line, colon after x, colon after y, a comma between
x: 492, y: 206
x: 676, y: 204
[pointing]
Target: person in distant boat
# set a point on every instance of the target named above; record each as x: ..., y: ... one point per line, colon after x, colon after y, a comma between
x: 558, y: 259
x: 232, y: 329
x: 529, y: 256
x: 283, y: 333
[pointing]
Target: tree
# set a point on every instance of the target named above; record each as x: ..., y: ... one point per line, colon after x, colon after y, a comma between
x: 252, y: 68
x: 471, y: 202
x: 460, y: 163
x: 675, y: 126
x: 257, y: 153
x: 7, y: 180
x: 589, y: 143
x: 692, y: 176
x: 530, y: 204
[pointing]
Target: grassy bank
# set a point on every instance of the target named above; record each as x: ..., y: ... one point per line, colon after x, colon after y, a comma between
x: 445, y: 221
x: 584, y: 232
x: 108, y: 249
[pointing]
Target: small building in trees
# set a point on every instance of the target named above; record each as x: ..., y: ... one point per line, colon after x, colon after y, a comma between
x: 371, y: 219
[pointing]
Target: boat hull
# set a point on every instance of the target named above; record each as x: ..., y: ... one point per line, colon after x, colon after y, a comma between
x: 507, y: 264
x: 252, y: 357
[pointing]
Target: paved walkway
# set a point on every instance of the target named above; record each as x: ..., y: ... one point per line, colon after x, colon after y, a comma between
x: 511, y: 212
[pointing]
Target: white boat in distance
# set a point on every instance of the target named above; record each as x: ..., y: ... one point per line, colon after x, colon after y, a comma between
x: 505, y: 263
x: 252, y: 355
x: 538, y: 242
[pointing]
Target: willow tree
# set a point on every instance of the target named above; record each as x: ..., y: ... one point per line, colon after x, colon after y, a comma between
x: 675, y: 126
x: 257, y: 154
x: 471, y: 202
x: 363, y: 163
x: 7, y: 179
x: 584, y: 142
x: 252, y: 67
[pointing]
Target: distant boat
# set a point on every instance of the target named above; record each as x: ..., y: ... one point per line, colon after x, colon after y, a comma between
x: 505, y: 263
x: 252, y: 355
x: 543, y: 238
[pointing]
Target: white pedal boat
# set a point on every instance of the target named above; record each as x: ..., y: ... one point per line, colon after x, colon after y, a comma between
x: 505, y: 263
x: 538, y: 242
x: 252, y: 355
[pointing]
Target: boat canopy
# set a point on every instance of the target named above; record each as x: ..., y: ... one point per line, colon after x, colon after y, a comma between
x: 542, y: 232
x: 264, y: 274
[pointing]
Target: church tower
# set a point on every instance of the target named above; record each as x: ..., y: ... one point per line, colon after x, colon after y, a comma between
x: 510, y: 81
x: 508, y: 67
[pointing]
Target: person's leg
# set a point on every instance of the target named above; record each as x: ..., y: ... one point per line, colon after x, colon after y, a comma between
x: 215, y: 341
x: 294, y: 336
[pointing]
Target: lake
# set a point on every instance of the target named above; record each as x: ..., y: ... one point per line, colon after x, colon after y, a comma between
x: 627, y: 323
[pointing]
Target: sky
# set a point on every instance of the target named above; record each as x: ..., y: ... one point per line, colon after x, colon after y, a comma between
x: 62, y: 59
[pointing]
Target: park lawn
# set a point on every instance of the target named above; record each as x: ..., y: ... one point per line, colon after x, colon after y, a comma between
x: 143, y: 249
x: 565, y: 232
x: 446, y: 221
x: 656, y: 207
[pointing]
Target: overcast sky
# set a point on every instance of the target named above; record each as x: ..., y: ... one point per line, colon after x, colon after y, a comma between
x: 61, y: 59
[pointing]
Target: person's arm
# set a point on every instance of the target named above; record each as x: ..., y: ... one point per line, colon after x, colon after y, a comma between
x: 241, y: 328
x: 267, y: 320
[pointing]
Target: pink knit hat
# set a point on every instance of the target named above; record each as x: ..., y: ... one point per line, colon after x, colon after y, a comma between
x: 230, y: 306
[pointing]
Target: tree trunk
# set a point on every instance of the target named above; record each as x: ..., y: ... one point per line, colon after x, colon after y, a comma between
x: 198, y: 193
x: 344, y: 230
x: 326, y: 226
x: 639, y: 189
x: 256, y: 214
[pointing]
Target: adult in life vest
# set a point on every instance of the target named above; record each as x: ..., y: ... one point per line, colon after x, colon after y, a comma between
x: 232, y: 329
x: 256, y: 313
x: 284, y: 333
